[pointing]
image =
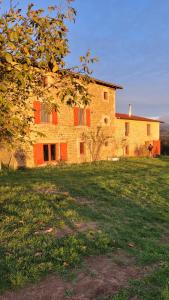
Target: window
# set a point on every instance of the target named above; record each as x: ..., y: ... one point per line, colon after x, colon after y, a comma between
x: 49, y: 152
x: 45, y: 114
x: 105, y: 95
x: 81, y: 116
x: 82, y: 148
x: 53, y: 151
x: 127, y: 150
x: 106, y: 120
x: 148, y: 129
x: 45, y: 153
x: 127, y: 129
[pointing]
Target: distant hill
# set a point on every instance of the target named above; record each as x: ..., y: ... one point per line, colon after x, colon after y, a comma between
x: 165, y: 118
x: 164, y: 131
x: 165, y: 128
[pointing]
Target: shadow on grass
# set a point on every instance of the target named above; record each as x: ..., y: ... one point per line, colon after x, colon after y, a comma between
x: 126, y: 199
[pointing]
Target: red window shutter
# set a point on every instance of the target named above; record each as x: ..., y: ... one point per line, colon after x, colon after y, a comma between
x: 38, y: 154
x: 76, y: 116
x: 156, y: 147
x: 54, y: 117
x: 63, y: 151
x: 88, y: 119
x: 37, y: 108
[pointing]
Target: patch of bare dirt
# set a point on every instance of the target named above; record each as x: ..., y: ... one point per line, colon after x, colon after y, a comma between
x: 100, y: 276
x: 79, y: 227
x: 52, y: 288
x: 66, y: 230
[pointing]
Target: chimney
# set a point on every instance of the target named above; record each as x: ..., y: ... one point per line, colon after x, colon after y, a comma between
x: 130, y: 110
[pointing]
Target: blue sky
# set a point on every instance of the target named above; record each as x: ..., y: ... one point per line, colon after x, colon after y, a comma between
x: 131, y: 40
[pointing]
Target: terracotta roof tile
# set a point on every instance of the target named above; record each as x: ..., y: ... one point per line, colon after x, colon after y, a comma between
x: 133, y: 117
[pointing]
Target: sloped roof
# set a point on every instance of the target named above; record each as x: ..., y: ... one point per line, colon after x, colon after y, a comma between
x: 99, y: 81
x: 133, y: 117
x: 105, y: 83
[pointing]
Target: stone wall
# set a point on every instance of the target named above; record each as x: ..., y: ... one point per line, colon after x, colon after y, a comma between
x: 137, y: 138
x: 102, y: 115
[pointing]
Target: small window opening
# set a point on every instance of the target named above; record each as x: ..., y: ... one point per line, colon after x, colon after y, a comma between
x: 127, y: 150
x: 106, y: 120
x: 127, y: 129
x: 82, y: 148
x: 105, y: 95
x: 148, y: 129
x: 45, y: 152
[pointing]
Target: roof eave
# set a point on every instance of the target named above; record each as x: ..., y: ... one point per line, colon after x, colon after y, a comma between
x: 108, y: 84
x: 135, y: 119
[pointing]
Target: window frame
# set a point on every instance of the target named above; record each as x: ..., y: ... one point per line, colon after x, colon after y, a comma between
x: 81, y: 117
x: 49, y: 153
x: 148, y: 129
x: 45, y: 117
x: 127, y: 128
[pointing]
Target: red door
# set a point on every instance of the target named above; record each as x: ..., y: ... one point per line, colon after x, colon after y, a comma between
x: 156, y: 147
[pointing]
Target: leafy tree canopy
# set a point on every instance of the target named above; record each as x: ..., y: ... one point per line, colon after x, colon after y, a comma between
x: 34, y: 44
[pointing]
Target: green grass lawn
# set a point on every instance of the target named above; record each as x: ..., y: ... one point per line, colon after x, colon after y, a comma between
x: 129, y: 200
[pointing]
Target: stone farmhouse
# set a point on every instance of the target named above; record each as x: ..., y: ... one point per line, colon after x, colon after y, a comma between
x: 84, y: 134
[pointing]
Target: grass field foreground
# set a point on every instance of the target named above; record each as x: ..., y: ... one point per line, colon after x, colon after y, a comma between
x: 125, y: 203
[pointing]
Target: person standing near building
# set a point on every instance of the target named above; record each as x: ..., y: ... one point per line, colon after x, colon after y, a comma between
x: 150, y: 149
